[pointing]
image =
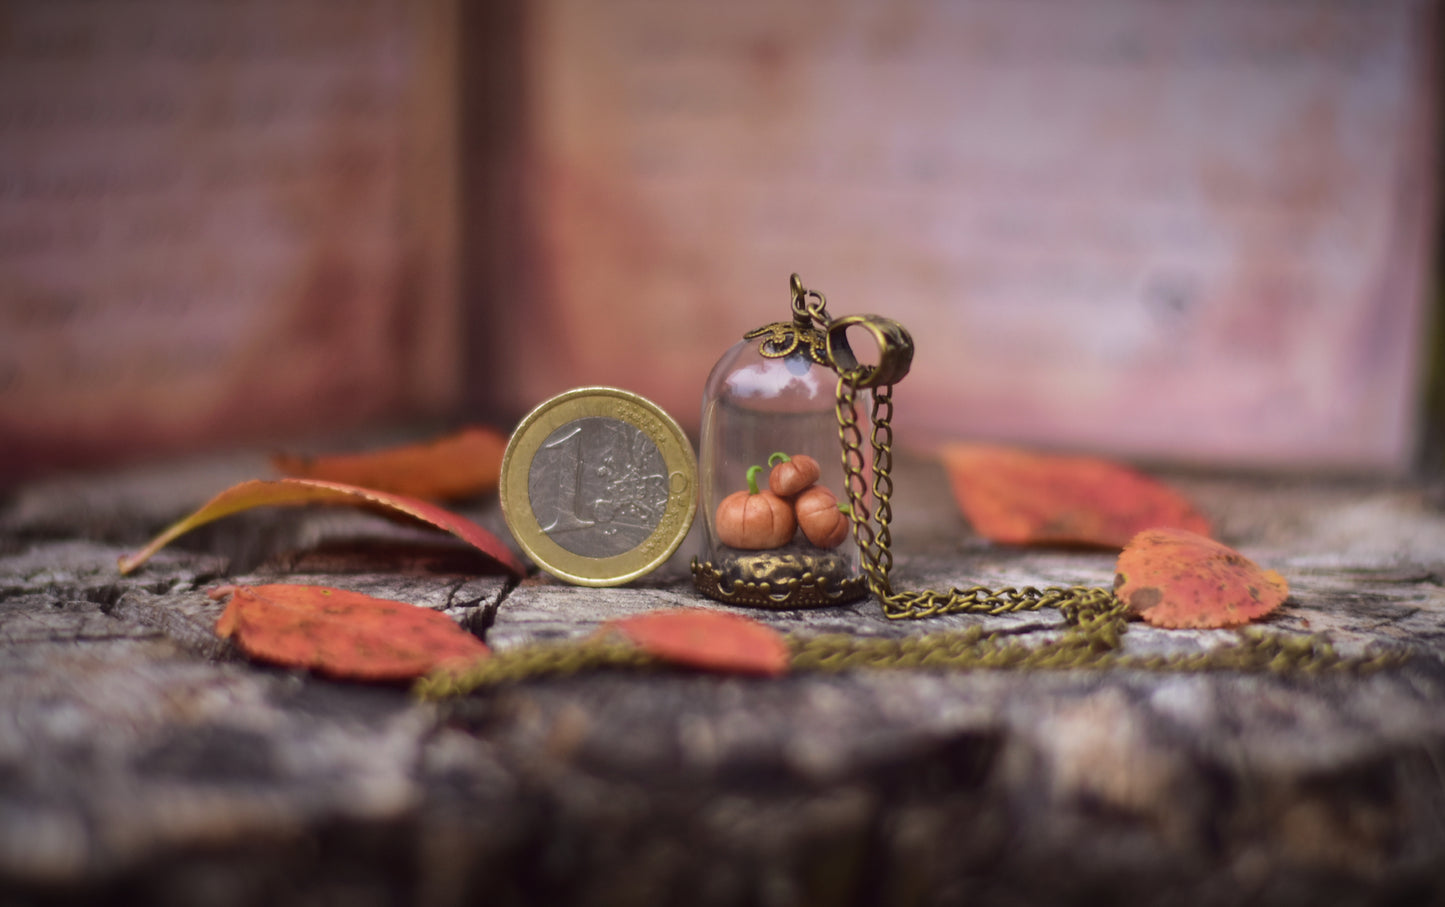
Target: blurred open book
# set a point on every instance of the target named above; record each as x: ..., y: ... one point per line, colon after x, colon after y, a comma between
x: 1195, y: 232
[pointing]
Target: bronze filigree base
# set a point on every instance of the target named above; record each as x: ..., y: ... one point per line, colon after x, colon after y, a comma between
x: 781, y: 581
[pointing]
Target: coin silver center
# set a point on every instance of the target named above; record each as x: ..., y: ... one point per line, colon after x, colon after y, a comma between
x: 598, y: 487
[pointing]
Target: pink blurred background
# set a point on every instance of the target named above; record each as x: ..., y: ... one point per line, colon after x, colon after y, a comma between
x: 1197, y: 233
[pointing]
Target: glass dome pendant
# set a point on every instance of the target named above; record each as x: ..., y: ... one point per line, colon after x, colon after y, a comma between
x: 774, y: 499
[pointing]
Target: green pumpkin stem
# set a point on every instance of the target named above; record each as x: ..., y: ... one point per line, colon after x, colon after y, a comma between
x: 778, y: 457
x: 753, y: 479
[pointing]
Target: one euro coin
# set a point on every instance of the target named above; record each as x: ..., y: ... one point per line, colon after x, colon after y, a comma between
x: 599, y: 486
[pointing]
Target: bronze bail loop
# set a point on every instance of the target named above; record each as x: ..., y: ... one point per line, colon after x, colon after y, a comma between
x: 895, y: 351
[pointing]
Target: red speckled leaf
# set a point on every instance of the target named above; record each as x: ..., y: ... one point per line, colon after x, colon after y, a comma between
x: 707, y: 639
x: 1018, y: 497
x: 1176, y: 579
x: 340, y: 633
x: 466, y: 463
x: 293, y: 492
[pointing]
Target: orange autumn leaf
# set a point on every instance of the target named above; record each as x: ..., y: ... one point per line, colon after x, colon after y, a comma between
x: 712, y: 640
x: 294, y: 492
x: 340, y: 633
x: 466, y: 463
x: 1019, y: 497
x: 1177, y: 579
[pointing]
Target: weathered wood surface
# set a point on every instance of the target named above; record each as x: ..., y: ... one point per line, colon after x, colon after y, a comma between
x: 142, y: 760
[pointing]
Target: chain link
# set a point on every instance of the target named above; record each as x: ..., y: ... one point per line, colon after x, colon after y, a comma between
x: 809, y: 306
x: 537, y: 660
x: 1094, y: 618
x: 872, y: 532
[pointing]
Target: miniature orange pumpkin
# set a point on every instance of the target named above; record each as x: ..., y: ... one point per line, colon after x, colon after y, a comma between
x: 791, y: 475
x: 823, y: 520
x: 753, y: 519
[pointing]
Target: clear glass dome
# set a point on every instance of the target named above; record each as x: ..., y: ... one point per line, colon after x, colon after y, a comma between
x: 772, y: 482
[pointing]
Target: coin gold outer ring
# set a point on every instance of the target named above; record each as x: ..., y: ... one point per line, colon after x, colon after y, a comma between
x: 605, y: 403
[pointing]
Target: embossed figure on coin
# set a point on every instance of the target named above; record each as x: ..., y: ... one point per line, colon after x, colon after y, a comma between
x: 598, y: 487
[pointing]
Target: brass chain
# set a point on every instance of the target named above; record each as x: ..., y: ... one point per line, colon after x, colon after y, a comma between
x: 1094, y: 618
x: 875, y: 541
x: 809, y: 306
x: 548, y: 659
x: 1093, y: 644
x: 1091, y: 638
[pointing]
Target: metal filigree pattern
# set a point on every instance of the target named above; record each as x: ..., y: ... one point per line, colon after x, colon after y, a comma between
x: 786, y: 338
x: 771, y: 581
